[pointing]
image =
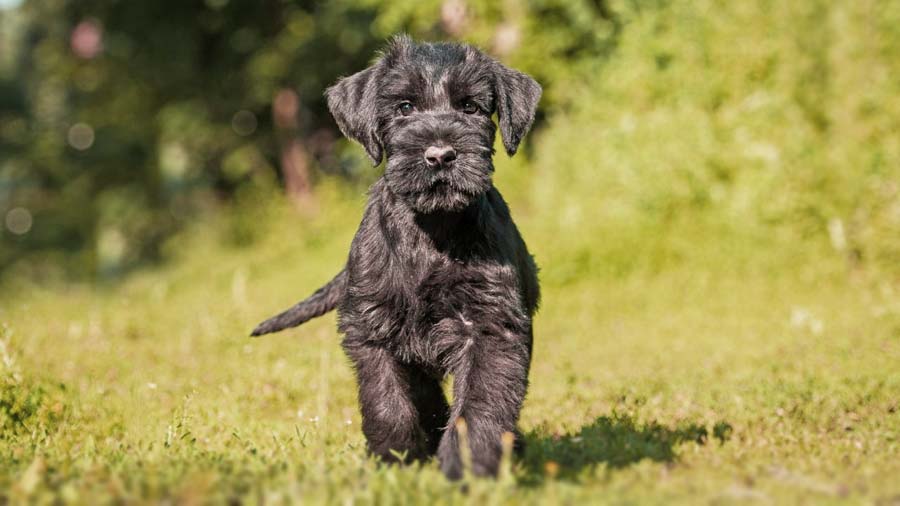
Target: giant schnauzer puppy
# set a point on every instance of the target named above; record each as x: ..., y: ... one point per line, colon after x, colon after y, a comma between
x: 439, y: 281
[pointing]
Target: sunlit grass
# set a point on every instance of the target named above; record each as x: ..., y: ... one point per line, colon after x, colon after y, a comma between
x: 694, y: 383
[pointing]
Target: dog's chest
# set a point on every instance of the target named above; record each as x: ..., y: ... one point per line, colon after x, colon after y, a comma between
x: 445, y: 304
x: 426, y: 290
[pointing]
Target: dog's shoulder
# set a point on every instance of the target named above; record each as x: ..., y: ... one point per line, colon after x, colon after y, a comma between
x: 382, y: 212
x: 497, y: 224
x: 510, y: 242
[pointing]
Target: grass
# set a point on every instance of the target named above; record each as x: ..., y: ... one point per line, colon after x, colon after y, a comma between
x: 712, y: 380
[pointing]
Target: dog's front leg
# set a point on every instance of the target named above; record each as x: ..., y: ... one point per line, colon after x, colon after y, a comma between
x: 490, y: 380
x: 388, y: 392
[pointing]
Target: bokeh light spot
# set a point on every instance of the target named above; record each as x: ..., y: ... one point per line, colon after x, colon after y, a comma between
x: 10, y: 4
x: 285, y: 108
x: 87, y: 39
x: 18, y: 220
x: 243, y: 123
x: 81, y: 136
x: 173, y: 161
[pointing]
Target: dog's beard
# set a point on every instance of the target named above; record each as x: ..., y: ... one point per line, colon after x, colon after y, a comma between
x: 426, y: 190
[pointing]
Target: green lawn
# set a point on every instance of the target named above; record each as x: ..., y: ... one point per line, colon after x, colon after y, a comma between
x: 708, y: 380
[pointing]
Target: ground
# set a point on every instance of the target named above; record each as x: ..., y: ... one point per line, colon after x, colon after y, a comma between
x: 700, y: 382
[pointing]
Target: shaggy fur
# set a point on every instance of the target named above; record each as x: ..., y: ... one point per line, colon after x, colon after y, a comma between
x: 439, y: 281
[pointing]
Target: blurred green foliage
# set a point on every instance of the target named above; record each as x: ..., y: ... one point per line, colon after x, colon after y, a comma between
x: 774, y: 122
x: 768, y: 121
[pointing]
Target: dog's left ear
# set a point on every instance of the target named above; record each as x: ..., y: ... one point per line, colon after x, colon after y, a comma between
x: 352, y: 103
x: 517, y: 97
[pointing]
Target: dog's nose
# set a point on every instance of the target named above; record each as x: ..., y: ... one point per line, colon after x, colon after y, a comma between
x: 439, y: 156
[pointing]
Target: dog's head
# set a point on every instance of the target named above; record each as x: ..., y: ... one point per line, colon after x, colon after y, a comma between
x: 427, y: 107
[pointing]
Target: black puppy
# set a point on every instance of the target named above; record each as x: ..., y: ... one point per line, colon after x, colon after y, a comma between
x: 438, y: 281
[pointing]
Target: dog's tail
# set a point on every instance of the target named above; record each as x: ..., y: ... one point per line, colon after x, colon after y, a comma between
x: 324, y: 300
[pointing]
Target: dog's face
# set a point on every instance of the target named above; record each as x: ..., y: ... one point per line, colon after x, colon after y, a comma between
x: 428, y: 108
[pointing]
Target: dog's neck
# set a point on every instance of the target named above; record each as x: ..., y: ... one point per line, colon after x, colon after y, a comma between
x: 448, y: 228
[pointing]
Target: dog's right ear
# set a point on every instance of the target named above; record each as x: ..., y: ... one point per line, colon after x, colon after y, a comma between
x: 352, y: 103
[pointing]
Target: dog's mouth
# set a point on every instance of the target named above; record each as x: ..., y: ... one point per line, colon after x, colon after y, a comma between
x: 452, y: 188
x: 450, y: 181
x: 441, y: 193
x: 442, y: 184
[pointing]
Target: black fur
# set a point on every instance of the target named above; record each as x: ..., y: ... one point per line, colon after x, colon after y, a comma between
x: 322, y: 301
x: 439, y: 281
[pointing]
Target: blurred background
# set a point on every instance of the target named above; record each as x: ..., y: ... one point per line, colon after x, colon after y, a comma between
x: 711, y: 190
x: 737, y: 133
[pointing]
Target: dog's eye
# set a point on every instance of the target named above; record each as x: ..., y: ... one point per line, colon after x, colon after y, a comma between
x: 405, y: 108
x: 469, y: 107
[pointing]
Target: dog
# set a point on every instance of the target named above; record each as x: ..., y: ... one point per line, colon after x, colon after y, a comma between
x: 438, y: 281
